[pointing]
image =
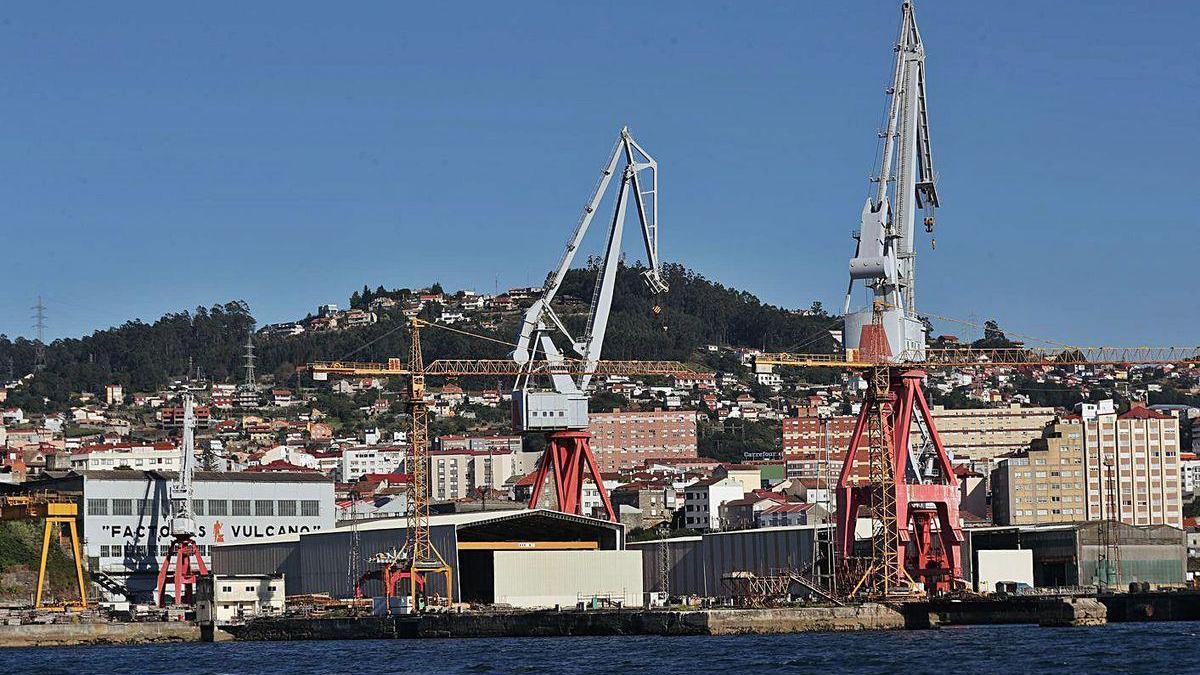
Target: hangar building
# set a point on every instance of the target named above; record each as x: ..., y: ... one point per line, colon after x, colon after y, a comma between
x: 526, y: 558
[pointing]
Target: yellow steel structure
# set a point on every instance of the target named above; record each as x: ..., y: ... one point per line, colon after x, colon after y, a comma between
x: 54, y: 511
x: 420, y: 559
x: 488, y: 367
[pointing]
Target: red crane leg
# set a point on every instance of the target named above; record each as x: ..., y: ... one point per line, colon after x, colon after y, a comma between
x: 926, y: 504
x: 569, y: 456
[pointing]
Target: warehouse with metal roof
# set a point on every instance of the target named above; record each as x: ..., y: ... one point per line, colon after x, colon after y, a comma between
x: 525, y: 558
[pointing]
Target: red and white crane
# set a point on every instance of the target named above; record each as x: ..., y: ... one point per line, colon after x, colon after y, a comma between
x: 561, y: 410
x: 183, y: 564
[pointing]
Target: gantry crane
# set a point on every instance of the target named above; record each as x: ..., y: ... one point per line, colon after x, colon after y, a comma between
x: 561, y: 410
x: 896, y: 466
x: 910, y: 494
x: 54, y: 511
x: 183, y: 564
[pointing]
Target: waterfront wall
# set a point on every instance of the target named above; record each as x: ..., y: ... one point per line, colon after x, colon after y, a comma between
x: 62, y: 634
x: 561, y: 624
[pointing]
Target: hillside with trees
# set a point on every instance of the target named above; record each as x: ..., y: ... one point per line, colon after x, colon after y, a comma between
x: 145, y: 356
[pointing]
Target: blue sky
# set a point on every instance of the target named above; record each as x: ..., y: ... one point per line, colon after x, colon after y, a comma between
x: 157, y: 157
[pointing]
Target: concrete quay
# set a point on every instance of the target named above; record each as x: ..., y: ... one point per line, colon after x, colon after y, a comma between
x: 574, y: 623
x: 68, y: 634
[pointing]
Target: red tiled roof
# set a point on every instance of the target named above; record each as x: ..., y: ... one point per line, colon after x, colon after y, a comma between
x: 767, y: 494
x: 389, y: 477
x: 788, y: 507
x: 105, y: 447
x: 280, y: 465
x: 1140, y: 413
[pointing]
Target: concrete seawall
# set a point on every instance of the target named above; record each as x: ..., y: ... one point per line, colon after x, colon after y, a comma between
x: 1052, y: 611
x: 57, y: 635
x: 561, y: 624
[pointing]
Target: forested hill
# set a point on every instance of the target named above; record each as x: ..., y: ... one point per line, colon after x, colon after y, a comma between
x: 145, y: 356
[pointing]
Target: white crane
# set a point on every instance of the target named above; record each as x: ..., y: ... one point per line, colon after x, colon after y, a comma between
x: 183, y: 551
x: 565, y: 406
x: 562, y: 409
x: 885, y: 257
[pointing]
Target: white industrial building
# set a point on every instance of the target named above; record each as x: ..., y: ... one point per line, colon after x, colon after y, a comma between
x: 126, y: 523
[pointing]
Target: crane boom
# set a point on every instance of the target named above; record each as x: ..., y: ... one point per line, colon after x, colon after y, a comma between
x: 564, y: 405
x: 183, y: 523
x: 885, y: 256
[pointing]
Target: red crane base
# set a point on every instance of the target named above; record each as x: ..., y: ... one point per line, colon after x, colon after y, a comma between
x: 188, y: 566
x: 568, y: 458
x: 927, y: 517
x: 391, y: 578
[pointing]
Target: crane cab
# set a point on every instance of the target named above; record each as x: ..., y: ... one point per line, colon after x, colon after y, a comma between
x: 549, y: 411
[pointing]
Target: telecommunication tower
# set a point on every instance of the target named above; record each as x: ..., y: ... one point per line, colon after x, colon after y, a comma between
x: 39, y: 325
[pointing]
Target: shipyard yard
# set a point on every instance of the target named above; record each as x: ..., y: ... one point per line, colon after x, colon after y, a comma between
x: 613, y: 461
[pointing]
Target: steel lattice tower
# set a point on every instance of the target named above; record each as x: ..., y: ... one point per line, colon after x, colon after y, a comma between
x: 420, y: 558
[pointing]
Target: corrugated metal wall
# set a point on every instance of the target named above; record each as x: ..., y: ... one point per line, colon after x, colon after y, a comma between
x: 697, y: 564
x: 320, y: 562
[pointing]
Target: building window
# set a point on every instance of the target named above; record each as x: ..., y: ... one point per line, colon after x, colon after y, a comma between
x: 144, y: 506
x: 287, y: 507
x: 310, y: 507
x: 97, y: 507
x: 241, y: 507
x: 218, y: 507
x: 264, y: 507
x: 122, y: 507
x: 198, y: 507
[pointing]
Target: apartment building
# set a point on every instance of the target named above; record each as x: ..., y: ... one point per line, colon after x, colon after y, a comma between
x: 1045, y: 483
x: 625, y: 439
x: 702, y: 502
x: 1095, y: 466
x: 1132, y: 465
x: 460, y: 473
x: 494, y: 443
x: 360, y: 461
x: 986, y: 433
x: 980, y: 434
x: 655, y: 499
x: 157, y: 456
x: 815, y: 442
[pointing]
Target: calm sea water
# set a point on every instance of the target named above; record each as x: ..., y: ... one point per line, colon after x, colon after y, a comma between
x: 1132, y: 648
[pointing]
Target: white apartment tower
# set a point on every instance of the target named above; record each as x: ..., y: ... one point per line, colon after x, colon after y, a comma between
x: 1132, y: 465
